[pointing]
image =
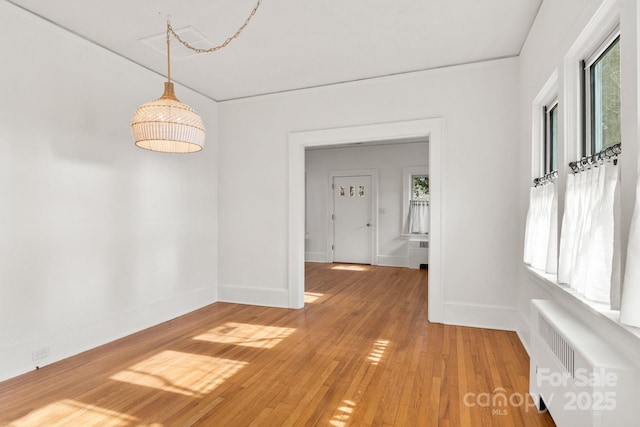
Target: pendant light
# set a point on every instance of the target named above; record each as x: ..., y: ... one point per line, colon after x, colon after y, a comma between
x: 166, y: 124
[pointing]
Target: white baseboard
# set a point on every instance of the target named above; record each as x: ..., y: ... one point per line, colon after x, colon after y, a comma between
x: 383, y: 260
x: 17, y: 360
x: 315, y: 257
x: 393, y: 261
x: 489, y: 317
x: 253, y: 296
x: 524, y: 332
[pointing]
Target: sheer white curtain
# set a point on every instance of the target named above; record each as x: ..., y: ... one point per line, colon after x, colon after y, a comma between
x: 541, y: 239
x: 587, y: 244
x: 567, y: 236
x: 630, y: 304
x: 418, y: 216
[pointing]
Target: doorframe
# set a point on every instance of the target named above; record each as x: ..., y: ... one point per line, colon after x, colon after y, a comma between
x: 431, y: 128
x: 373, y: 246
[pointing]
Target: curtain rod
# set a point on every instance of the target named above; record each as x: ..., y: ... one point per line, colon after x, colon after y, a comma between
x: 597, y: 158
x: 584, y: 163
x: 550, y: 177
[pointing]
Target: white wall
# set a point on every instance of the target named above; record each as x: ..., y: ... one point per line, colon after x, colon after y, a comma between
x: 389, y: 160
x: 480, y: 230
x: 557, y: 28
x: 98, y: 239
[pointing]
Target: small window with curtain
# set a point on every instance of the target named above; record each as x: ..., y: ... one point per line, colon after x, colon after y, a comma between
x: 589, y: 261
x: 415, y: 202
x: 541, y: 228
x: 419, y: 205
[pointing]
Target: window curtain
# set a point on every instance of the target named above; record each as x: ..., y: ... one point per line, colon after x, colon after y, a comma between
x: 418, y: 217
x: 588, y: 261
x: 630, y: 304
x: 541, y: 238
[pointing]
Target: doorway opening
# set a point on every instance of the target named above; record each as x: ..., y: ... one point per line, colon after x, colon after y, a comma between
x: 395, y: 132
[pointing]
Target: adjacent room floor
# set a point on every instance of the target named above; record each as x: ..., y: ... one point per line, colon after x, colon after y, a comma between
x: 361, y: 352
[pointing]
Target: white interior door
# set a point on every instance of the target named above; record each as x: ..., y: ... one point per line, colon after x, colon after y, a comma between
x: 352, y: 203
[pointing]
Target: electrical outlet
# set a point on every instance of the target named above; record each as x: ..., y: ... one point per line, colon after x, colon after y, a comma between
x: 40, y: 353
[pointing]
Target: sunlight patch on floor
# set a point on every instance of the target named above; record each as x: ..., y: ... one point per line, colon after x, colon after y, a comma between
x: 246, y: 334
x: 350, y: 267
x: 184, y: 373
x: 378, y: 351
x: 343, y: 414
x: 71, y: 413
x: 311, y: 297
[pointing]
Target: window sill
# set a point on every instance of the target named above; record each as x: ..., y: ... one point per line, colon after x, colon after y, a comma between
x: 416, y: 237
x: 599, y: 309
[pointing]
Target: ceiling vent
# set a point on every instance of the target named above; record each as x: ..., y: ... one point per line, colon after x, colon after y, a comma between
x: 189, y: 34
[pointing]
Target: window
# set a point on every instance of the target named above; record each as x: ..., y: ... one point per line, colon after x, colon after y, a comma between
x: 420, y: 187
x: 551, y: 137
x: 589, y: 260
x: 545, y: 138
x: 541, y: 243
x: 602, y: 97
x: 416, y: 201
x: 418, y: 222
x: 541, y: 228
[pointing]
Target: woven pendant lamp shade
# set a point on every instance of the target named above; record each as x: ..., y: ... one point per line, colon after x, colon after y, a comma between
x: 168, y: 125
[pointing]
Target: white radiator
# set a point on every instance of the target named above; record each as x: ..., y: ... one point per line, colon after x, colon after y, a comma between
x: 577, y: 375
x: 418, y: 253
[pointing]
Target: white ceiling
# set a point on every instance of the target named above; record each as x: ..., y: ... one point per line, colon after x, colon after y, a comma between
x: 293, y: 44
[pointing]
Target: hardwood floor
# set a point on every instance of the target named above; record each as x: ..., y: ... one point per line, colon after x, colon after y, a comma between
x: 361, y: 352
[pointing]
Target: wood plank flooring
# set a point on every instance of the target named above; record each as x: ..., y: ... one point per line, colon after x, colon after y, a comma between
x: 361, y: 353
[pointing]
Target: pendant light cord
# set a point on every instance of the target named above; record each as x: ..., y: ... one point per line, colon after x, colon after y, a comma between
x: 220, y: 46
x: 168, y: 51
